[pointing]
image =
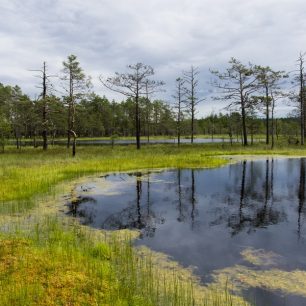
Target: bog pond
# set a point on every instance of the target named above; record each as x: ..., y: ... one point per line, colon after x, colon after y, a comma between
x: 243, y: 223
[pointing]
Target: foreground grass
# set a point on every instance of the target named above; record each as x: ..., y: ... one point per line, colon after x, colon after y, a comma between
x: 59, y: 265
x: 50, y: 260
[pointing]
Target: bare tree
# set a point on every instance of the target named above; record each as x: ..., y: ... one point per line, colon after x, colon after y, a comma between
x: 300, y: 78
x: 77, y: 86
x: 45, y: 87
x: 237, y: 84
x: 192, y: 99
x: 148, y: 112
x: 134, y: 84
x: 179, y: 99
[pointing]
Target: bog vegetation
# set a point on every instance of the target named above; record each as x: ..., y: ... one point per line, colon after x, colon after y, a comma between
x: 50, y: 259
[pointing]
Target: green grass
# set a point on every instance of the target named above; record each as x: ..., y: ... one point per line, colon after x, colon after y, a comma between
x: 55, y: 265
x: 29, y: 172
x: 48, y: 259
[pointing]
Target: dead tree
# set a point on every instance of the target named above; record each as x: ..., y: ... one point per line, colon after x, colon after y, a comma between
x: 148, y: 112
x: 302, y: 100
x: 134, y: 84
x: 179, y: 100
x: 45, y: 87
x: 192, y: 99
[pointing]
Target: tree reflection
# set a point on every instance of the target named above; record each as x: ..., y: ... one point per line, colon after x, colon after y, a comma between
x: 181, y: 217
x: 256, y: 208
x: 301, y: 194
x: 186, y: 205
x: 237, y: 221
x: 193, y: 199
x: 245, y: 201
x: 75, y: 208
x: 136, y: 216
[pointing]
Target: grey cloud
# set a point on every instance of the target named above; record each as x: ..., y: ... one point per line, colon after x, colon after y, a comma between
x: 170, y: 35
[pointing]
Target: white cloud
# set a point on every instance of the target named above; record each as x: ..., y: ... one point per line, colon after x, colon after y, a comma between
x: 170, y: 35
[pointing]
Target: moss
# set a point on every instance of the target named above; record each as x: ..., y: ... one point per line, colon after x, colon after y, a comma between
x: 289, y: 282
x: 260, y: 257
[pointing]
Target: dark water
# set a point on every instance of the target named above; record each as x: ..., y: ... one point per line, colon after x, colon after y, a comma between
x: 205, y: 218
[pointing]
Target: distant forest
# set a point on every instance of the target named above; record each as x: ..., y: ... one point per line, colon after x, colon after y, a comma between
x: 252, y: 94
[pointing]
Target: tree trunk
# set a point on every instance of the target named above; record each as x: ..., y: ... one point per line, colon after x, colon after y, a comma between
x: 302, y: 104
x: 70, y: 108
x: 192, y: 124
x: 69, y: 126
x: 74, y: 142
x: 34, y: 140
x: 53, y: 137
x: 244, y: 130
x: 179, y: 125
x: 302, y: 122
x: 243, y: 114
x: 272, y: 123
x: 44, y: 133
x: 2, y: 142
x: 137, y: 122
x: 148, y: 113
x: 267, y: 116
x: 74, y: 146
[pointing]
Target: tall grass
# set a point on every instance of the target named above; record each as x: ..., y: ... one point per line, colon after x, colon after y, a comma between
x: 54, y: 264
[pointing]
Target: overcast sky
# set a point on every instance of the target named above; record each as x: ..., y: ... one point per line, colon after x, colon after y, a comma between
x: 170, y: 35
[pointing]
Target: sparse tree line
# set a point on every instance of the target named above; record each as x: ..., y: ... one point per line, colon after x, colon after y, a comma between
x: 74, y: 110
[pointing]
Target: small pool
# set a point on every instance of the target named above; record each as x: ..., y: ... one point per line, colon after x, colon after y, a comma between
x: 244, y: 222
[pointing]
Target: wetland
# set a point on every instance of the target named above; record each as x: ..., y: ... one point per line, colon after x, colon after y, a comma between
x: 243, y: 223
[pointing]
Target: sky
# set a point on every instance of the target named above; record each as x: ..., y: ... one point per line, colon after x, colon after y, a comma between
x: 169, y: 35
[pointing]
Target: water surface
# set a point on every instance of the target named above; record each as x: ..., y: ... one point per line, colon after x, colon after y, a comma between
x: 209, y: 218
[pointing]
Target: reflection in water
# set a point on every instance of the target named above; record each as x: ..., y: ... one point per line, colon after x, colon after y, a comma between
x: 301, y: 194
x: 236, y: 222
x: 183, y: 205
x: 181, y: 215
x: 193, y: 200
x: 256, y: 200
x: 205, y: 218
x: 255, y: 210
x: 135, y: 215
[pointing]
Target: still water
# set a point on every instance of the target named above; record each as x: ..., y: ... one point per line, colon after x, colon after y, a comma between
x: 152, y: 141
x: 217, y: 220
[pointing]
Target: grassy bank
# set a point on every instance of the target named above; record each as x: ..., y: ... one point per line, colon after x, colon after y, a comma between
x: 47, y: 258
x: 29, y: 171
